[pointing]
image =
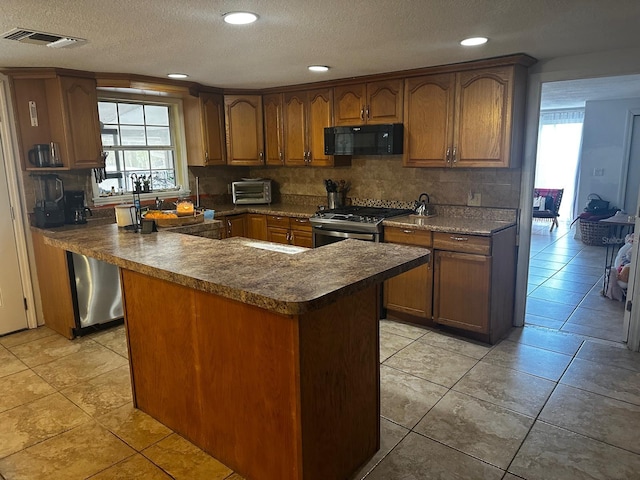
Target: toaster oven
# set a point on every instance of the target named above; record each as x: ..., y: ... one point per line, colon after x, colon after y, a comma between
x: 251, y: 192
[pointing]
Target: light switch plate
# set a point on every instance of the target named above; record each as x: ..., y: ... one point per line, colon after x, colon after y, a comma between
x: 474, y: 199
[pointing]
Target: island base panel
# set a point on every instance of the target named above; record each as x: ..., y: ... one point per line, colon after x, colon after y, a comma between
x: 271, y: 396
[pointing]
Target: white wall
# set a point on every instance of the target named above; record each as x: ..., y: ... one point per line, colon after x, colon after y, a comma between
x: 605, y: 140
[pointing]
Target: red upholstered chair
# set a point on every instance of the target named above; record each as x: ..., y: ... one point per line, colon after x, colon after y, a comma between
x: 548, y: 204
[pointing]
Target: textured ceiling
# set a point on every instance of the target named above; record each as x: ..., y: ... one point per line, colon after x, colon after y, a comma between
x: 354, y: 37
x: 574, y: 93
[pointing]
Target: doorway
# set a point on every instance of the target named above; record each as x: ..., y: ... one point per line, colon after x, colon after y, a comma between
x: 13, y: 315
x: 566, y: 277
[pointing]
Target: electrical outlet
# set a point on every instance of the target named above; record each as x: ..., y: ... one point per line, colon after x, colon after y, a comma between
x: 598, y: 172
x: 474, y: 199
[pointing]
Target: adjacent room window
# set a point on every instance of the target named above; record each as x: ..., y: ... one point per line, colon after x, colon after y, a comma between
x: 141, y: 139
x: 559, y: 142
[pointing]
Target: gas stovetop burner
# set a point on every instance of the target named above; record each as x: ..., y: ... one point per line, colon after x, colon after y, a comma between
x: 356, y: 218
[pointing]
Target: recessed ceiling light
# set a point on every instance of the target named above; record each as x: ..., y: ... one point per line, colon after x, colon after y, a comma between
x: 177, y: 75
x: 318, y: 68
x: 240, y: 18
x: 473, y: 41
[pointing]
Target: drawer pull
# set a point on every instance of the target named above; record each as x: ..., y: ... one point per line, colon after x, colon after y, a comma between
x: 408, y: 231
x: 460, y: 239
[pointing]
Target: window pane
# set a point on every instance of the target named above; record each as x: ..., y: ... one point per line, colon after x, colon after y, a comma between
x: 157, y: 115
x: 163, y: 179
x: 105, y: 187
x: 110, y: 135
x: 136, y: 160
x: 110, y: 163
x: 108, y: 112
x: 131, y: 114
x: 158, y: 136
x: 161, y: 159
x: 132, y: 135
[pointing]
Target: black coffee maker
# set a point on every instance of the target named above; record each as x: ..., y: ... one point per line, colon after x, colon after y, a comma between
x: 49, y: 209
x: 75, y: 212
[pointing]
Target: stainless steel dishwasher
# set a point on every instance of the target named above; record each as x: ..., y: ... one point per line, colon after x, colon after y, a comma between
x: 97, y: 298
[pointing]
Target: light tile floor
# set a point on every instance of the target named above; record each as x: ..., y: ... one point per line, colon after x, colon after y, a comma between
x: 545, y: 403
x: 565, y: 284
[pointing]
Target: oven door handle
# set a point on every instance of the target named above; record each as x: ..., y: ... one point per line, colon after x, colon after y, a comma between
x: 334, y: 233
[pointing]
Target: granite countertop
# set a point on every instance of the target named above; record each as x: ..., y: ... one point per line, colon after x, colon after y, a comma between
x: 280, y: 278
x: 469, y: 226
x: 285, y: 210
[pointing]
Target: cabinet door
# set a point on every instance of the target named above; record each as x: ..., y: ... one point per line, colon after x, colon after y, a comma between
x: 320, y: 115
x: 55, y: 286
x: 483, y: 118
x: 81, y: 124
x: 213, y: 129
x: 244, y: 133
x: 237, y: 226
x: 273, y: 129
x: 384, y: 102
x: 278, y: 235
x: 301, y: 233
x: 410, y: 292
x: 428, y: 120
x: 462, y: 290
x: 257, y: 226
x: 349, y: 104
x: 295, y: 107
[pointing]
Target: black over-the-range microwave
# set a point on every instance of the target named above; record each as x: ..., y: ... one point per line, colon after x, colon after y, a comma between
x: 364, y: 140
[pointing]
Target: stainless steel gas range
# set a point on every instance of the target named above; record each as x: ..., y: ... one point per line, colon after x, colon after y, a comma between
x: 361, y: 223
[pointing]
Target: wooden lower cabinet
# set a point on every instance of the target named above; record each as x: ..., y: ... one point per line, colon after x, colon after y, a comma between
x: 55, y: 286
x: 463, y: 284
x: 469, y: 284
x: 410, y: 293
x: 233, y: 225
x: 256, y: 226
x: 289, y: 231
x: 475, y: 291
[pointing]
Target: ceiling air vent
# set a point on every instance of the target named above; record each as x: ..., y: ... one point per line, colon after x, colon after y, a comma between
x: 41, y: 38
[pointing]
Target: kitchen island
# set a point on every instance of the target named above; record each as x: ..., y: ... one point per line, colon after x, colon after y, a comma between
x: 265, y: 356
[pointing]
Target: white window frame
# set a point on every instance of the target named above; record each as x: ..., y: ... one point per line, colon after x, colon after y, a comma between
x: 177, y: 120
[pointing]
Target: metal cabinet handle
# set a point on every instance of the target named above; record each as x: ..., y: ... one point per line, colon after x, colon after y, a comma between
x: 362, y: 114
x: 455, y: 153
x: 367, y: 112
x: 281, y: 155
x: 448, y: 155
x: 408, y: 231
x: 261, y: 155
x: 460, y: 239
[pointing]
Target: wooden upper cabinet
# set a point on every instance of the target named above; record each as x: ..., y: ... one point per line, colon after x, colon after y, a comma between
x: 484, y: 117
x: 349, y: 104
x: 467, y: 119
x: 244, y: 129
x: 306, y: 114
x: 428, y: 120
x: 61, y: 109
x: 320, y: 115
x: 81, y: 123
x: 204, y: 127
x: 273, y: 129
x: 372, y: 103
x: 295, y: 124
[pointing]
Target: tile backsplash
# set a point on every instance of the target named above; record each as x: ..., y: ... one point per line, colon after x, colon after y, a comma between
x: 385, y: 178
x: 375, y: 178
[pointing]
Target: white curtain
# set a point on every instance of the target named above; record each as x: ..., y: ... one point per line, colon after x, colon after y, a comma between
x: 559, y: 141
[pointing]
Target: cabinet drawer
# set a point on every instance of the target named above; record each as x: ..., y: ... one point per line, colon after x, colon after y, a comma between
x: 462, y: 243
x: 301, y: 224
x: 407, y: 236
x: 277, y: 221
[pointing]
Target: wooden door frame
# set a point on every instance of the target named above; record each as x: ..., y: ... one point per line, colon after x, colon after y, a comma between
x: 10, y: 156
